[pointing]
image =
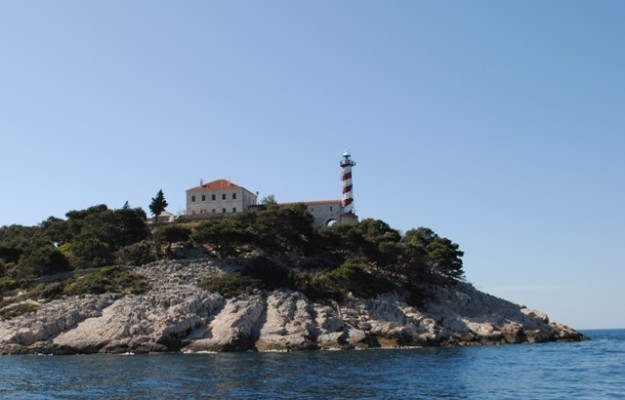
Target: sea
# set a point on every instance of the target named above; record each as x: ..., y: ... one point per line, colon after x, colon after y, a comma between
x: 592, y: 369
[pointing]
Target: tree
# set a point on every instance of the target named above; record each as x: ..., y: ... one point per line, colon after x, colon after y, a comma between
x: 77, y: 219
x: 171, y: 234
x: 89, y: 238
x: 87, y: 250
x: 132, y: 223
x: 135, y: 254
x: 14, y: 240
x: 224, y: 236
x: 382, y: 242
x: 269, y: 201
x: 284, y: 229
x: 42, y: 258
x: 428, y: 256
x: 445, y: 257
x: 158, y: 204
x: 56, y: 230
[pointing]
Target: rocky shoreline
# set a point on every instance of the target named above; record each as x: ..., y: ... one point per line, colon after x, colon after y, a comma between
x: 177, y: 316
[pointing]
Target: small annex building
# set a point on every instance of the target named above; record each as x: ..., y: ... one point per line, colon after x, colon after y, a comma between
x: 165, y: 217
x: 219, y: 197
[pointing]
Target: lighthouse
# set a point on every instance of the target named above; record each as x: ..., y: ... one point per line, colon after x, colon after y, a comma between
x: 348, y: 192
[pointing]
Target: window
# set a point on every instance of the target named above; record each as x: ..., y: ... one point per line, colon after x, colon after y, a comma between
x: 234, y: 196
x: 214, y: 211
x: 213, y: 197
x: 192, y: 198
x: 223, y: 196
x: 234, y: 209
x: 223, y: 210
x: 330, y: 208
x: 203, y: 197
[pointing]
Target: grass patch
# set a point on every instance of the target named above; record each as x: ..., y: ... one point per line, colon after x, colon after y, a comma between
x: 8, y: 285
x: 108, y: 280
x: 17, y: 310
x: 47, y: 291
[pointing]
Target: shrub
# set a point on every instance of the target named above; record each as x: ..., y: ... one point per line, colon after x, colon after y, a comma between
x: 17, y: 310
x: 108, y: 279
x: 47, y: 291
x: 7, y: 284
x: 350, y: 277
x: 170, y: 234
x: 136, y: 254
x: 43, y: 259
x: 90, y: 252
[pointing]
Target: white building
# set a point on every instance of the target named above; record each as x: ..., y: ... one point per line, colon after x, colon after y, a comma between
x: 219, y: 197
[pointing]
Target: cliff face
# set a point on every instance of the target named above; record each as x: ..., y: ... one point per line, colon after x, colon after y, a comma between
x: 176, y: 315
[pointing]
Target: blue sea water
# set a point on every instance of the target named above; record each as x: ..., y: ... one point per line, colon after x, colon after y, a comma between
x: 587, y: 370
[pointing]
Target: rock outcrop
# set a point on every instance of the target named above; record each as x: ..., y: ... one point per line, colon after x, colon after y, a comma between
x: 176, y: 315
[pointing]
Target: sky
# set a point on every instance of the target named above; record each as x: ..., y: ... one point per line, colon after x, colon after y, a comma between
x: 500, y: 125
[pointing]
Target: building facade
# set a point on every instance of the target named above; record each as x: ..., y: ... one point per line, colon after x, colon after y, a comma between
x: 219, y: 197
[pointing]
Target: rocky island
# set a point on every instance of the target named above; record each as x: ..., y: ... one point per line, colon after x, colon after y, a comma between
x: 176, y: 315
x: 250, y: 283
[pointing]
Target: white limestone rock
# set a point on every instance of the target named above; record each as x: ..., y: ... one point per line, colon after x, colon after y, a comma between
x: 232, y: 328
x: 176, y: 315
x: 287, y: 323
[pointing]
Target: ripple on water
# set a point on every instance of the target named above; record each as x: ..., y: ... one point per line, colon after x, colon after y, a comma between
x: 592, y: 369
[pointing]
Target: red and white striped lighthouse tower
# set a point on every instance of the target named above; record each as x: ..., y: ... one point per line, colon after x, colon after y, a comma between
x: 348, y: 192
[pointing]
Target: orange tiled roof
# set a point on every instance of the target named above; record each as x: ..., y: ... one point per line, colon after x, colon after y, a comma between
x: 218, y: 184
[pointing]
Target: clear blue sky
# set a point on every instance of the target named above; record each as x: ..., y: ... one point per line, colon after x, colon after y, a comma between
x: 500, y: 125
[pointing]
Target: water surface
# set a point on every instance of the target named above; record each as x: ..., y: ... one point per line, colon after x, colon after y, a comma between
x: 587, y: 370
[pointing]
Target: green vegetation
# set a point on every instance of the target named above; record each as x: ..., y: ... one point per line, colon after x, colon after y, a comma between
x: 277, y: 246
x: 158, y: 204
x: 170, y: 234
x: 350, y: 277
x: 89, y: 238
x: 368, y: 258
x: 17, y: 310
x: 104, y: 280
x: 273, y: 230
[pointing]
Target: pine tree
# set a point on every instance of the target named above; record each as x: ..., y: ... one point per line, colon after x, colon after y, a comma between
x: 158, y: 204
